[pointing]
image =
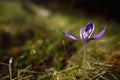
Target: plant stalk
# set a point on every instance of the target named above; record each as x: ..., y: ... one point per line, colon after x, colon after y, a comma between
x: 84, y: 45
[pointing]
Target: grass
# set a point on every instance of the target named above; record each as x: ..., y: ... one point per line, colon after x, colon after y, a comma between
x: 39, y: 51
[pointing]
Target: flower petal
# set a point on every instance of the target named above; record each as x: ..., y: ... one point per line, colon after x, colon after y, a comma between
x: 89, y: 29
x: 70, y: 36
x: 100, y: 34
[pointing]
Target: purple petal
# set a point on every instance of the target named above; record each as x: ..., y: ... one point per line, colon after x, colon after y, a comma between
x: 70, y: 36
x: 89, y: 29
x: 100, y: 34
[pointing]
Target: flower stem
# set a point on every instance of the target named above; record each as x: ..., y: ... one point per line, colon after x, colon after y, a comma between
x: 84, y: 53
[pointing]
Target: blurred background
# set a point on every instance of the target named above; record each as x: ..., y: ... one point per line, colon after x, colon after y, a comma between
x: 31, y: 33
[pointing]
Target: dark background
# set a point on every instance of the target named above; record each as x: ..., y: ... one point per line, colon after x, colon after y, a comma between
x: 107, y: 8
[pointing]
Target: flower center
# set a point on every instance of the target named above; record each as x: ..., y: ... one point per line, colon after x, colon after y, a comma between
x: 83, y: 34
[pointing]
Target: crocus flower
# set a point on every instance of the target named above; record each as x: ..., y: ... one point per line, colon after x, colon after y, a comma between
x: 85, y: 35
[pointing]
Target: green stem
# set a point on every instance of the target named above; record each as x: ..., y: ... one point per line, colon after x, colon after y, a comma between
x: 84, y: 53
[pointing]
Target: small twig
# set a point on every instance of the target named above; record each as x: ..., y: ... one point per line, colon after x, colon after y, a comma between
x: 10, y: 68
x: 89, y: 65
x: 107, y: 65
x: 23, y: 78
x: 34, y: 72
x: 68, y: 69
x: 99, y: 75
x: 4, y: 64
x: 26, y: 68
x: 113, y: 75
x: 65, y: 49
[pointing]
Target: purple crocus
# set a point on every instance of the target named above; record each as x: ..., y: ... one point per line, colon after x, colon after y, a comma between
x: 85, y: 35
